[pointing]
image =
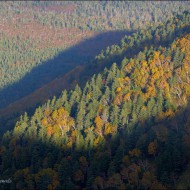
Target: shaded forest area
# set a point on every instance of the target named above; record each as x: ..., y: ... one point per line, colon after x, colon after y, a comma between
x: 59, y: 65
x: 34, y: 32
x: 121, y: 161
x: 121, y: 119
x: 41, y: 83
x: 130, y: 45
x: 128, y: 127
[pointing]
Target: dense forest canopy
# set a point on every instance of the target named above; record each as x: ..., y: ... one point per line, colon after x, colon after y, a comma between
x: 128, y: 127
x: 96, y: 15
x: 33, y: 32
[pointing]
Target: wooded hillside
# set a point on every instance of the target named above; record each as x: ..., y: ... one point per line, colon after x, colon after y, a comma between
x: 128, y: 127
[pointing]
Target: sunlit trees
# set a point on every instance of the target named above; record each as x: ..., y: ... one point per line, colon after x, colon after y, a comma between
x: 127, y: 128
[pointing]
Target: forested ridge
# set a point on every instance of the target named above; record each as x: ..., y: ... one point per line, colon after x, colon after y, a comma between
x: 127, y: 128
x: 33, y: 32
x: 130, y: 45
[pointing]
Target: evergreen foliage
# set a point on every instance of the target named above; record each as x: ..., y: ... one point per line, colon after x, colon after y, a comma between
x: 127, y: 128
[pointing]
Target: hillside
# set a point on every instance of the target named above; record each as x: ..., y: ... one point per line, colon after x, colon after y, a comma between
x: 34, y: 33
x: 130, y: 45
x: 126, y: 128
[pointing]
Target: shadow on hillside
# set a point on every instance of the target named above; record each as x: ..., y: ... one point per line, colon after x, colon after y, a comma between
x: 90, y: 67
x: 41, y: 155
x: 61, y: 64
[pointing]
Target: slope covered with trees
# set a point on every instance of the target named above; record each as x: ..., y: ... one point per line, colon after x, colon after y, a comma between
x: 128, y: 127
x: 130, y: 45
x: 33, y: 32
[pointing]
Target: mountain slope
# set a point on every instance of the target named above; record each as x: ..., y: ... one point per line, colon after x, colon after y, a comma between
x: 127, y: 128
x: 130, y: 45
x: 32, y: 33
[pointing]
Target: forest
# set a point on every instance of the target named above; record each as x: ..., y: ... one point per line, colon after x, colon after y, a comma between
x: 121, y: 121
x: 34, y: 32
